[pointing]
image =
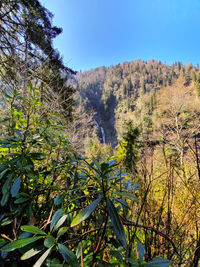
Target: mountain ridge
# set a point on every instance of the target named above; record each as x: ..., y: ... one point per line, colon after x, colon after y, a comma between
x: 126, y: 92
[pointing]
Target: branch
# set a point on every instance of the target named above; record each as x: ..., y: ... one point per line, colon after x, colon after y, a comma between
x: 128, y: 223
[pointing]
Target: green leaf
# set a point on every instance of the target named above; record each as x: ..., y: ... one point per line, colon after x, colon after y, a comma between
x: 30, y: 253
x: 6, y: 186
x: 122, y: 202
x: 84, y: 214
x: 60, y: 222
x: 68, y: 255
x: 32, y: 229
x: 42, y: 258
x: 29, y: 212
x: 21, y: 200
x: 53, y: 263
x: 78, y: 251
x: 116, y: 223
x: 15, y: 187
x: 96, y: 163
x: 3, y: 173
x: 6, y: 221
x: 49, y: 241
x: 55, y: 218
x: 28, y: 166
x: 62, y: 231
x: 59, y: 199
x: 140, y: 250
x: 158, y: 262
x: 20, y: 243
x: 4, y: 199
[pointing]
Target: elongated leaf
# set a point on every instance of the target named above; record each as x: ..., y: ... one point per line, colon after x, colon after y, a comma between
x: 49, y: 241
x: 84, y: 214
x: 20, y: 243
x: 60, y: 222
x: 55, y: 218
x: 54, y: 263
x: 42, y: 258
x: 15, y: 187
x: 62, y: 231
x: 32, y: 229
x: 30, y: 253
x: 116, y: 223
x: 21, y: 200
x: 68, y: 255
x: 158, y: 262
x: 5, y: 198
x: 6, y: 221
x: 140, y: 250
x: 28, y: 166
x: 6, y: 186
x: 3, y: 173
x: 59, y: 199
x: 78, y: 251
x: 29, y: 212
x: 122, y: 202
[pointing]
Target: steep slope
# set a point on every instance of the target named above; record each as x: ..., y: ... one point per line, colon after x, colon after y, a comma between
x: 138, y: 91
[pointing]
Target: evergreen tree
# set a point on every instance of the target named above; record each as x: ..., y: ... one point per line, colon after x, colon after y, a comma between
x: 26, y: 49
x: 194, y: 77
x: 131, y: 147
x: 187, y: 79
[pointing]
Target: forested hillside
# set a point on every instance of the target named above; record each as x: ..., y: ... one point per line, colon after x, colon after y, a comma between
x: 133, y: 91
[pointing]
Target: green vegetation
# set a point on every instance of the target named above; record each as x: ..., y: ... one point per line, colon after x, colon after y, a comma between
x: 56, y: 205
x: 131, y: 201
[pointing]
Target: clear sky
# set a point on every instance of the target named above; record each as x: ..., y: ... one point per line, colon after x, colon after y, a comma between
x: 108, y: 32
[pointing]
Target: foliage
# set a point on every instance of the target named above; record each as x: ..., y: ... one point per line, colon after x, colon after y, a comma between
x: 130, y: 145
x: 56, y: 206
x: 27, y: 53
x: 124, y: 92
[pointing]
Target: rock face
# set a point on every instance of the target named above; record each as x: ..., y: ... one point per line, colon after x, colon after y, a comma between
x: 111, y: 96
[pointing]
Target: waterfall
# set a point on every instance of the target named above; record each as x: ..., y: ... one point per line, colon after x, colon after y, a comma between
x: 102, y: 131
x: 103, y: 135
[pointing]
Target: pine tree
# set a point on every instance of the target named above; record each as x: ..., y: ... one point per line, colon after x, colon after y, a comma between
x: 131, y: 148
x: 26, y: 49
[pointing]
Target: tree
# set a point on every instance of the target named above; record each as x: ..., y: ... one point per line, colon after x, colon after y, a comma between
x: 143, y: 87
x: 26, y: 49
x: 129, y: 143
x: 194, y: 77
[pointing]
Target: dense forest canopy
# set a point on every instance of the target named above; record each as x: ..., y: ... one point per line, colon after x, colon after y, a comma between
x: 99, y: 168
x: 130, y: 91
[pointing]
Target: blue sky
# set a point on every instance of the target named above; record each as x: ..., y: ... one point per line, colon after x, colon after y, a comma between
x: 108, y: 32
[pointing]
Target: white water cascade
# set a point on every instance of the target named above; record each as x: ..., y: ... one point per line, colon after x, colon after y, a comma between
x: 103, y: 135
x: 102, y: 132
